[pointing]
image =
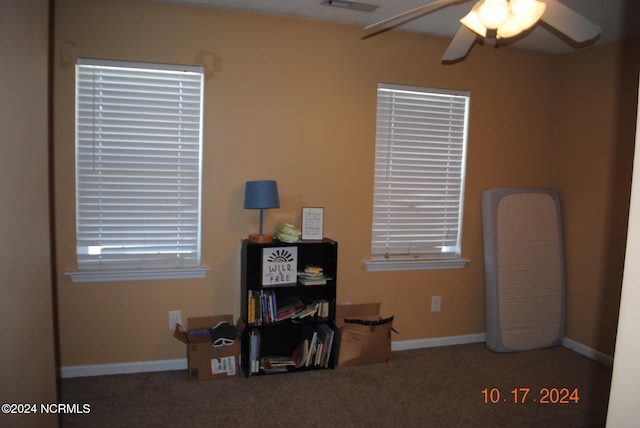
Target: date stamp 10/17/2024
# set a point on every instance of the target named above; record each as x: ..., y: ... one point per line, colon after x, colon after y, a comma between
x: 523, y: 395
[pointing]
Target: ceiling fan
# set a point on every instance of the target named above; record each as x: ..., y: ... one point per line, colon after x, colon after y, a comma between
x: 499, y: 19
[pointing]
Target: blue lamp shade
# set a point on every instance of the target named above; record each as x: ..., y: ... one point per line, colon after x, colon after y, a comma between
x: 261, y: 194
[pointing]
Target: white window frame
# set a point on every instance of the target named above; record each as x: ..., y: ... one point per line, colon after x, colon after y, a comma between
x: 421, y: 144
x: 138, y: 171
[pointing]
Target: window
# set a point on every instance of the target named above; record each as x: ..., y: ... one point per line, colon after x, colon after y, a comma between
x: 138, y: 170
x: 421, y: 141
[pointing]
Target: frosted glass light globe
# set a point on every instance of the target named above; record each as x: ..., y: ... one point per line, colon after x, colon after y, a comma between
x: 493, y: 13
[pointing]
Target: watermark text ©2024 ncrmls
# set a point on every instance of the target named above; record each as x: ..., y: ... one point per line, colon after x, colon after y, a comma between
x: 46, y: 408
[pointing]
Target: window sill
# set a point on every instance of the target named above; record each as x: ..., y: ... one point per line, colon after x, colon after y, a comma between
x: 136, y: 275
x: 398, y: 265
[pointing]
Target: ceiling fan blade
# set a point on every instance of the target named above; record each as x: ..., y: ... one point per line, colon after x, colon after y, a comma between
x: 569, y: 22
x: 460, y: 45
x: 438, y: 4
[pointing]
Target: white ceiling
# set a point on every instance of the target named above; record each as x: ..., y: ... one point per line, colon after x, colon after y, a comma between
x: 618, y: 18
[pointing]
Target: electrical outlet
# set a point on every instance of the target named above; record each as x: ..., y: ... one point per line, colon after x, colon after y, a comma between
x: 175, y: 317
x: 435, y: 303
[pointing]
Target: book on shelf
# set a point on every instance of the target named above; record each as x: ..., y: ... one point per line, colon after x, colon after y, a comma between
x: 314, y: 348
x: 304, y: 350
x: 318, y: 309
x: 254, y: 351
x: 325, y: 337
x: 313, y: 270
x: 308, y: 311
x: 276, y: 363
x: 288, y: 307
x: 322, y: 280
x: 313, y: 275
x: 323, y: 309
x: 318, y: 358
x: 311, y: 351
x: 298, y: 355
x: 262, y: 307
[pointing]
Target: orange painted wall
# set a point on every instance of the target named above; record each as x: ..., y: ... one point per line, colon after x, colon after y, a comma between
x: 595, y: 135
x: 295, y: 100
x: 28, y: 357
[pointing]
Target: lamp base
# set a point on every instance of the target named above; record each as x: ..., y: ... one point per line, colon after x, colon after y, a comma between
x: 260, y: 239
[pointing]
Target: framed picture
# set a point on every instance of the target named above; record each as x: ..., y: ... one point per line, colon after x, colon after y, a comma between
x: 279, y: 266
x: 312, y: 223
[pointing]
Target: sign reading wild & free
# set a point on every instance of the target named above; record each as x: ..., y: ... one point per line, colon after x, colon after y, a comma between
x: 279, y: 265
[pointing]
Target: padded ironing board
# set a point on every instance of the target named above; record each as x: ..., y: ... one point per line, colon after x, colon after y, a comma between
x: 524, y: 269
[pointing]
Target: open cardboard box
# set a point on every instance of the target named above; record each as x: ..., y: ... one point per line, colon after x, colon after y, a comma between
x: 203, y: 359
x: 360, y: 344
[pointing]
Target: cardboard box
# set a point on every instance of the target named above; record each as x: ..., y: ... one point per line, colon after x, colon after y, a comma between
x: 203, y: 359
x: 360, y: 344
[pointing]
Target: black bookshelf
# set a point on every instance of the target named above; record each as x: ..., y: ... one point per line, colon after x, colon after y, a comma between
x: 281, y: 312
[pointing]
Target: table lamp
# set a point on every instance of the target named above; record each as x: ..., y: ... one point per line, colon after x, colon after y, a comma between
x: 261, y: 194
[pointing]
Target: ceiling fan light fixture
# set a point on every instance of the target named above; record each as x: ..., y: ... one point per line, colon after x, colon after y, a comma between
x: 520, y: 16
x: 511, y: 28
x: 493, y: 13
x: 528, y: 12
x: 472, y: 21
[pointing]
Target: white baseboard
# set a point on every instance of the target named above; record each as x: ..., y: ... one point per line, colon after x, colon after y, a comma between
x: 402, y: 345
x: 587, y: 352
x: 122, y: 368
x: 481, y: 337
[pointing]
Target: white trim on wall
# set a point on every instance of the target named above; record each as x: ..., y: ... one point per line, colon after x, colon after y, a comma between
x: 401, y: 345
x: 122, y: 368
x: 587, y: 352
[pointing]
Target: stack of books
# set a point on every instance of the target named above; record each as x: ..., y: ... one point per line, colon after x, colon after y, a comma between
x: 289, y: 308
x: 313, y: 275
x: 276, y: 363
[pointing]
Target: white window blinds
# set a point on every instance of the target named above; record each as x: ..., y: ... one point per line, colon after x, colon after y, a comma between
x: 419, y: 173
x: 138, y: 165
